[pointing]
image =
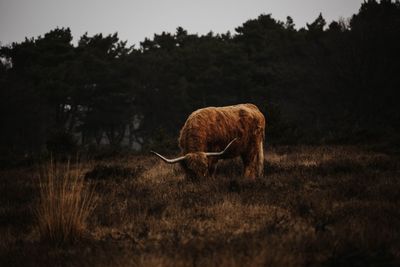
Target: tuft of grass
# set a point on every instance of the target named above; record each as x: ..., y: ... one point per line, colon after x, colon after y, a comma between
x: 65, y: 203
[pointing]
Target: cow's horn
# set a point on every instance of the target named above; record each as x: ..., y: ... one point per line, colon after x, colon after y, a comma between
x: 171, y: 161
x: 208, y: 154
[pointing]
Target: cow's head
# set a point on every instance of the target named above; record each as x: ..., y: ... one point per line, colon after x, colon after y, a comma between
x: 195, y: 164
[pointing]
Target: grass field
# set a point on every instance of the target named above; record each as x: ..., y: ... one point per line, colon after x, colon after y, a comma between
x: 315, y: 206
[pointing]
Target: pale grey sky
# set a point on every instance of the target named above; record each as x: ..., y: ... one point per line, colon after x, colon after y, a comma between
x: 134, y: 20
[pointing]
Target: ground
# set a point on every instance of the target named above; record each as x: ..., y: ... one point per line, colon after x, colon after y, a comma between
x: 315, y: 206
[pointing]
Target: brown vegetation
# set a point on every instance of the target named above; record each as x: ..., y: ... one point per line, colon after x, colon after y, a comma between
x: 315, y: 206
x: 65, y: 203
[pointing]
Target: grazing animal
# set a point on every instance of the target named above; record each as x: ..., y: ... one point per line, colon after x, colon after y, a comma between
x: 214, y: 133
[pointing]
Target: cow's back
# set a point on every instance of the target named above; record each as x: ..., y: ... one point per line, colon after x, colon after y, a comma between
x: 211, y: 129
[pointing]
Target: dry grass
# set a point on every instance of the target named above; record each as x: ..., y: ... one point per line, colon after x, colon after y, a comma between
x: 65, y: 203
x: 315, y: 206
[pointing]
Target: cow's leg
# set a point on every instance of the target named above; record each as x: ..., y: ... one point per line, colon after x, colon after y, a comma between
x: 212, y: 166
x: 250, y: 165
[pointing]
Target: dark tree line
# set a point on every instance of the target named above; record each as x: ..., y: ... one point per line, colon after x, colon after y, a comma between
x: 323, y: 83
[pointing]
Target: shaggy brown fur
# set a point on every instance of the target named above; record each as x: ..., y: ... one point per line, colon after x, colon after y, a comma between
x: 211, y: 129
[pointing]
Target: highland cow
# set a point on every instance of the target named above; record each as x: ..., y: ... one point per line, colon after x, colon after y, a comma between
x: 215, y: 133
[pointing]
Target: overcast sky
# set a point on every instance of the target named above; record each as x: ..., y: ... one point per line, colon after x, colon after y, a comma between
x: 134, y: 20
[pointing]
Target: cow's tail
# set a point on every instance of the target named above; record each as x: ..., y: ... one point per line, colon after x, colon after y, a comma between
x: 260, y: 156
x: 260, y: 162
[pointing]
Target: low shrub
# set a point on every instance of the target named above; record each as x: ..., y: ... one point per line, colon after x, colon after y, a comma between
x: 102, y: 172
